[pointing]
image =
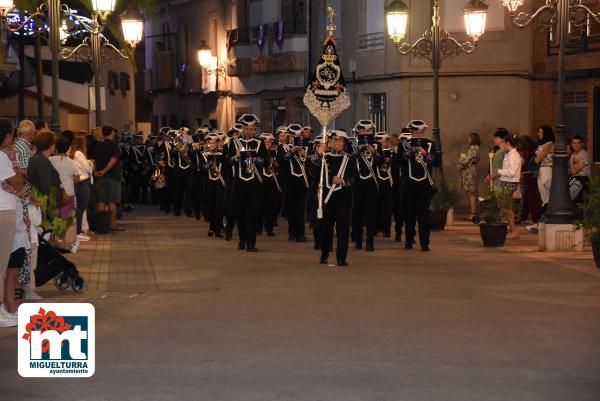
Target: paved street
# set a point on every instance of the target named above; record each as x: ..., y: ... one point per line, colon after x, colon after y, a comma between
x: 181, y: 316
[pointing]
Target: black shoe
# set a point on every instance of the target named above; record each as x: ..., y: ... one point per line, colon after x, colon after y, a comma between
x: 358, y: 245
x: 323, y: 260
x: 301, y: 239
x: 342, y: 263
x: 218, y: 234
x: 398, y: 238
x: 425, y: 248
x: 241, y: 246
x: 197, y: 216
x: 291, y: 238
x: 228, y: 236
x: 408, y: 245
x: 317, y: 247
x: 211, y: 233
x: 386, y: 235
x: 276, y: 224
x: 370, y: 248
x: 270, y: 234
x: 167, y: 211
x: 252, y: 248
x: 177, y: 214
x: 189, y: 214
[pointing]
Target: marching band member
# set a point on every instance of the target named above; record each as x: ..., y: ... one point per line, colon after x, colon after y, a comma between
x: 177, y: 172
x: 271, y: 187
x: 398, y: 185
x: 366, y: 188
x: 297, y: 183
x: 312, y: 198
x: 234, y: 132
x: 137, y: 169
x: 214, y: 165
x: 163, y: 159
x: 195, y: 184
x: 150, y: 161
x: 247, y: 155
x: 337, y: 174
x: 417, y: 157
x: 386, y: 183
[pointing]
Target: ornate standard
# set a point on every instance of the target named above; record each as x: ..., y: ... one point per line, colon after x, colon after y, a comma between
x: 560, y: 13
x: 435, y: 45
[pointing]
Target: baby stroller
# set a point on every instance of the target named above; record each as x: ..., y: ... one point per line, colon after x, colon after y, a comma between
x: 52, y: 265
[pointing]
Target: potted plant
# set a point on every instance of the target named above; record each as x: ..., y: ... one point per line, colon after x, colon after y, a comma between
x: 589, y: 220
x: 442, y: 202
x: 493, y: 229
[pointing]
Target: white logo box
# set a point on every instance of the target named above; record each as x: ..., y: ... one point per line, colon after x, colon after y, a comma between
x: 75, y: 358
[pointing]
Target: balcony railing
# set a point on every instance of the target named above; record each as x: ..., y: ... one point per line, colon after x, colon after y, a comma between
x: 370, y: 41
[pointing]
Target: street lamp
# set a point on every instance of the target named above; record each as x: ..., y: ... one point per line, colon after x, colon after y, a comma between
x: 103, y: 7
x: 563, y: 13
x: 5, y: 6
x: 436, y: 44
x: 132, y: 24
x: 204, y: 55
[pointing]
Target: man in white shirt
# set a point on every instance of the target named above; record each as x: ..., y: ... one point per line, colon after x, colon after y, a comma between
x: 580, y: 167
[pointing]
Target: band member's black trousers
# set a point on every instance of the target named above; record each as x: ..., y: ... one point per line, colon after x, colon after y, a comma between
x: 385, y: 204
x: 164, y: 198
x: 247, y: 198
x: 229, y: 207
x: 364, y: 211
x: 271, y: 203
x: 314, y: 221
x: 194, y: 193
x: 398, y: 207
x: 336, y: 214
x: 417, y: 199
x: 296, y: 205
x: 213, y: 204
x: 136, y: 178
x: 176, y: 181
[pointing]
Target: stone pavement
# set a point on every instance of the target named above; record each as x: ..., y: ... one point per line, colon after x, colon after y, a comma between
x: 180, y: 316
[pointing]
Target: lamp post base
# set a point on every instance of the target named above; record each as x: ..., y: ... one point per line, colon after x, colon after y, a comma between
x: 560, y: 238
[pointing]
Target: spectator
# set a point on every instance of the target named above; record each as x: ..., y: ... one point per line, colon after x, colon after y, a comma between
x: 467, y: 167
x: 35, y: 218
x: 580, y: 167
x: 66, y: 167
x: 25, y: 133
x: 12, y: 182
x: 498, y: 152
x: 41, y: 173
x: 41, y: 125
x: 82, y: 188
x: 531, y: 196
x: 509, y: 176
x: 68, y: 135
x: 69, y: 176
x: 108, y: 174
x: 96, y: 137
x: 543, y: 157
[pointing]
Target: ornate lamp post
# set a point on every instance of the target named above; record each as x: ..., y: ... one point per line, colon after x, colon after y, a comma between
x: 132, y: 26
x: 53, y: 12
x: 560, y: 13
x: 436, y: 44
x: 204, y: 59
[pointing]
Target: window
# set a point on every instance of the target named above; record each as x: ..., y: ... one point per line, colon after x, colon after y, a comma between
x: 374, y: 36
x: 278, y: 111
x: 377, y: 110
x: 234, y: 15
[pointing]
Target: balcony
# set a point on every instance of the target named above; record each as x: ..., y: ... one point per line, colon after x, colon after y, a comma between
x: 280, y: 63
